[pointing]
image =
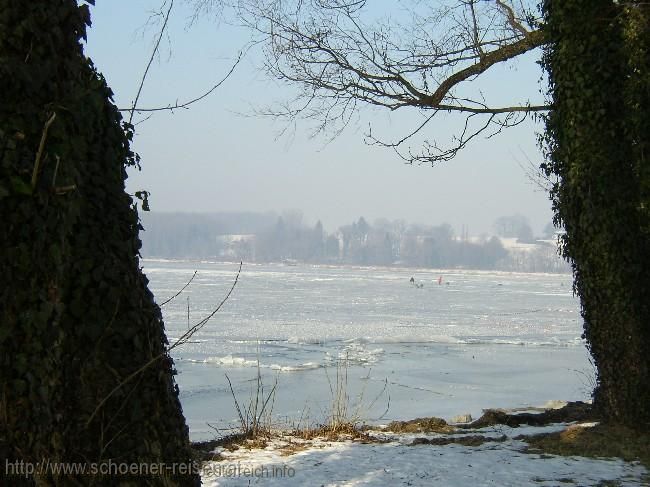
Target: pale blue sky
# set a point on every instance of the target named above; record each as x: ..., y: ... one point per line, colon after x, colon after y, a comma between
x: 211, y: 158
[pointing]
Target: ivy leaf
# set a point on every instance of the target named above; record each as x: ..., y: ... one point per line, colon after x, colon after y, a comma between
x: 19, y: 186
x: 144, y: 197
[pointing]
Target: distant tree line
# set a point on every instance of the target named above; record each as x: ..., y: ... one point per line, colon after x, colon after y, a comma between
x: 270, y: 237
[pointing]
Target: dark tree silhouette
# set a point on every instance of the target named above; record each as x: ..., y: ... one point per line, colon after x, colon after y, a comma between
x: 598, y: 143
x: 77, y: 319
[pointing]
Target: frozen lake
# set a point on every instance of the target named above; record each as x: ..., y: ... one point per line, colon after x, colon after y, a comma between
x: 477, y: 340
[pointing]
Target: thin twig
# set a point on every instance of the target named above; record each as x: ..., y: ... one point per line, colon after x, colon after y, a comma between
x: 179, y: 292
x: 188, y: 334
x: 510, y: 13
x: 186, y: 104
x: 153, y: 56
x: 244, y: 425
x: 41, y: 147
x: 56, y: 171
x: 65, y: 189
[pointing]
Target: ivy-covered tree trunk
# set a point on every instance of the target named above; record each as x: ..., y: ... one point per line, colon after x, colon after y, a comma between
x: 598, y: 136
x: 77, y: 319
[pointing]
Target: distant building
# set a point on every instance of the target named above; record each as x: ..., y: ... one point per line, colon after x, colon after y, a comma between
x: 237, y: 247
x: 539, y: 256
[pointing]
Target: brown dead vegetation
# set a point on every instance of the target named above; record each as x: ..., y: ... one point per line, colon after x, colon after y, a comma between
x: 600, y: 441
x: 420, y: 425
x: 471, y: 440
x: 572, y: 412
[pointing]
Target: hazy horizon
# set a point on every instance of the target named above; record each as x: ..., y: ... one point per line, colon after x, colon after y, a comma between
x: 309, y: 221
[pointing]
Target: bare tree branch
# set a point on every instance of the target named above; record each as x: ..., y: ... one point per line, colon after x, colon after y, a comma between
x: 183, y: 105
x: 342, y: 56
x: 511, y: 18
x: 201, y: 6
x: 531, y: 41
x: 180, y: 291
x: 536, y: 176
x: 151, y: 58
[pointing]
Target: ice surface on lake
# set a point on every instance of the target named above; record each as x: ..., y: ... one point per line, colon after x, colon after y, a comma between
x: 478, y: 340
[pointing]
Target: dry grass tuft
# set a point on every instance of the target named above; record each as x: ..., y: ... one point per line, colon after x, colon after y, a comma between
x: 421, y: 425
x: 341, y: 432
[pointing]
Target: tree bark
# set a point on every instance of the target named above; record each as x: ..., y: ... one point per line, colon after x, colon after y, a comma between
x: 77, y: 318
x: 598, y: 138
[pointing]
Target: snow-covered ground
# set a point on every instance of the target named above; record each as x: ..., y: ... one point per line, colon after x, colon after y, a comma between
x: 397, y: 463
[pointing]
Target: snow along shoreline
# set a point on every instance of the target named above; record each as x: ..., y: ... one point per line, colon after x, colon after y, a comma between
x: 502, y: 458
